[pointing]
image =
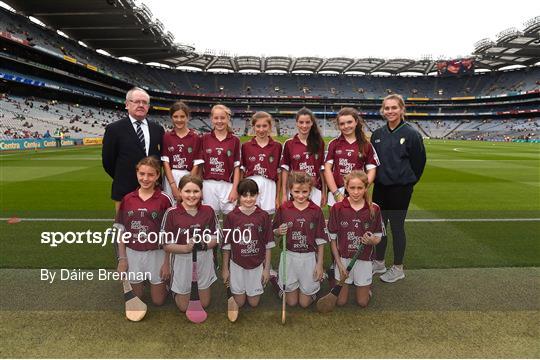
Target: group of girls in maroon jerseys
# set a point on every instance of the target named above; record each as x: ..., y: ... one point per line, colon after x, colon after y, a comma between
x: 266, y: 192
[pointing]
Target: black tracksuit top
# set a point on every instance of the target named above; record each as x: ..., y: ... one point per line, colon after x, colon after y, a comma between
x: 401, y: 153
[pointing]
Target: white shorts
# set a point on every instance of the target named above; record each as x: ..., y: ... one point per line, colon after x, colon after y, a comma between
x: 216, y: 194
x: 267, y: 193
x: 246, y: 281
x: 360, y: 273
x: 300, y: 273
x: 177, y: 175
x: 331, y: 200
x: 315, y: 195
x: 147, y: 263
x: 182, y: 271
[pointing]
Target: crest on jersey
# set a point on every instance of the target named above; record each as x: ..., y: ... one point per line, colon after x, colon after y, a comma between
x: 154, y: 215
x: 311, y: 226
x: 296, y: 156
x: 171, y: 148
x: 252, y: 158
x: 208, y: 151
x: 402, y: 141
x: 316, y: 156
x: 344, y: 224
x: 289, y: 224
x: 130, y: 213
x: 189, y: 150
x: 339, y: 152
x: 271, y: 159
x: 229, y: 153
x: 367, y: 225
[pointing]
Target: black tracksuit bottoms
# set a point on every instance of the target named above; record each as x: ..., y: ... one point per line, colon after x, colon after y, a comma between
x: 394, y: 202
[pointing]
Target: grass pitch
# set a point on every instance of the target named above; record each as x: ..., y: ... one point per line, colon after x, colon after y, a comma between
x: 471, y: 288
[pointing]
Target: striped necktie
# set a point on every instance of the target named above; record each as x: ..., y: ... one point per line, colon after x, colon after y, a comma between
x: 140, y: 135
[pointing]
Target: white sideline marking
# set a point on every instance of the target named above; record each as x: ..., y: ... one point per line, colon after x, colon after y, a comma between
x: 473, y: 220
x: 406, y: 220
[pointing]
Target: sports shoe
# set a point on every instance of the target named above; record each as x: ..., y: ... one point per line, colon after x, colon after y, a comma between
x: 392, y: 275
x: 275, y: 283
x: 378, y: 267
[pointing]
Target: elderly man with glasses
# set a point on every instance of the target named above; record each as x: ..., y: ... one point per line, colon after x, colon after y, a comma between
x: 127, y: 141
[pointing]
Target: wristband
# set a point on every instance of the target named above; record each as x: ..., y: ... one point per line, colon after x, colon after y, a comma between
x: 122, y: 258
x: 336, y: 193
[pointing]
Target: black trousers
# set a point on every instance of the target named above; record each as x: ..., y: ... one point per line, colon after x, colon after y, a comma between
x: 394, y: 202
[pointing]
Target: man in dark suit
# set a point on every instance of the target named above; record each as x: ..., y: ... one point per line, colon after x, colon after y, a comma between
x: 129, y: 140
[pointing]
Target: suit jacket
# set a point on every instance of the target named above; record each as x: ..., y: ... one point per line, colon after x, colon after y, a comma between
x: 122, y: 151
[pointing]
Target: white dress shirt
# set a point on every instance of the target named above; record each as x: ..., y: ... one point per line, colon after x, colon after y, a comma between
x: 145, y: 130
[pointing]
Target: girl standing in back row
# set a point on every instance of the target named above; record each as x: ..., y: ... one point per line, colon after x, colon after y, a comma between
x: 260, y: 161
x: 180, y: 148
x: 305, y: 152
x: 350, y: 151
x: 220, y: 156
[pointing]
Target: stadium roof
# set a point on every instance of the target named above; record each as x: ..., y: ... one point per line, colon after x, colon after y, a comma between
x: 123, y: 28
x: 119, y: 27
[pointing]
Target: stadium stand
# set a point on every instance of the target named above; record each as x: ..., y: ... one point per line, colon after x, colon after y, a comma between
x: 51, y: 82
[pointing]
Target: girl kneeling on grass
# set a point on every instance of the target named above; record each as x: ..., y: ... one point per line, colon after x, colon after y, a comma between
x: 353, y: 221
x: 188, y: 220
x: 303, y: 224
x: 248, y: 240
x: 140, y: 214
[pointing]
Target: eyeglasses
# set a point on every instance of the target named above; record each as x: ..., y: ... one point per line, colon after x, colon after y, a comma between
x: 139, y: 102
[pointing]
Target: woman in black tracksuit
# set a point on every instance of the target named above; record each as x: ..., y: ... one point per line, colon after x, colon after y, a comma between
x: 403, y: 157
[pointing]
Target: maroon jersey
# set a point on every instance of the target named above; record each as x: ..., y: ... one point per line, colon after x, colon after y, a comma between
x: 180, y: 152
x: 248, y: 251
x: 219, y: 157
x: 350, y: 225
x: 345, y: 158
x: 262, y: 161
x: 142, y: 217
x: 296, y: 157
x: 305, y: 227
x: 181, y: 225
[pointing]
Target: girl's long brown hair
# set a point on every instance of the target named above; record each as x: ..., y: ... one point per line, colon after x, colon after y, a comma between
x: 361, y: 137
x: 314, y: 140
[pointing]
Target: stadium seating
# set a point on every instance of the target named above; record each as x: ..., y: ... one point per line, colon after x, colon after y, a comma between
x: 28, y: 116
x: 235, y: 84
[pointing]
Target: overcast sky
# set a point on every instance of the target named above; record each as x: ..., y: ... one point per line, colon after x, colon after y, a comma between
x: 380, y: 28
